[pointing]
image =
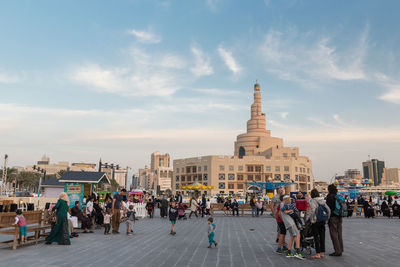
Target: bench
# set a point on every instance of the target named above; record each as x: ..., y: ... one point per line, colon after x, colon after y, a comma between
x: 35, y: 224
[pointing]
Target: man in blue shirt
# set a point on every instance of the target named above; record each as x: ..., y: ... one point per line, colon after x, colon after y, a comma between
x: 116, y: 210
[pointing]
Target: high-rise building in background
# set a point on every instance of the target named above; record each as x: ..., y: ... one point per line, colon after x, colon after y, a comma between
x: 352, y: 174
x: 258, y: 157
x: 159, y: 175
x: 391, y: 176
x: 159, y: 160
x: 373, y: 170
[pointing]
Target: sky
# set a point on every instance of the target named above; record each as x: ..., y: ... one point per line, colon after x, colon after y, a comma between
x: 118, y: 80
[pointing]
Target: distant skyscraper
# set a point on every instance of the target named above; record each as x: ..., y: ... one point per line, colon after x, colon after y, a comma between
x: 159, y: 160
x: 373, y: 170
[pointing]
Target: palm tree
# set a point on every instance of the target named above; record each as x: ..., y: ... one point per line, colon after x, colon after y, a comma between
x: 11, y: 175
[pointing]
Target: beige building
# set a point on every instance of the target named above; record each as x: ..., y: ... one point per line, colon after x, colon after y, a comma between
x: 119, y: 174
x: 321, y: 186
x: 258, y: 157
x: 159, y: 160
x: 54, y: 168
x: 159, y: 175
x: 391, y: 176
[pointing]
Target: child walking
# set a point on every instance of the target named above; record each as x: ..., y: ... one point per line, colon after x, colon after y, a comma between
x: 21, y: 222
x: 107, y: 222
x: 173, y: 215
x: 211, y: 230
x: 130, y: 219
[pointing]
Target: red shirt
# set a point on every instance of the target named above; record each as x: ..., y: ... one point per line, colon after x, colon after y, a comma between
x: 278, y: 212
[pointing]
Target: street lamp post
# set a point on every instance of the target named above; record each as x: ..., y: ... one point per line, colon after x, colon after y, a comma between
x: 43, y: 171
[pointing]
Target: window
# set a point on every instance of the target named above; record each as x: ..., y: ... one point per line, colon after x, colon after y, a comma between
x: 205, y: 168
x: 231, y: 168
x: 250, y: 168
x: 177, y: 178
x: 295, y: 169
x: 297, y: 187
x: 277, y: 176
x: 258, y: 168
x: 205, y: 177
x: 160, y: 162
x: 240, y: 177
x: 194, y: 177
x: 285, y: 155
x: 189, y: 178
x: 221, y: 167
x: 258, y: 177
x: 308, y: 186
x: 183, y: 169
x: 286, y: 168
x: 240, y: 168
x: 177, y: 186
x: 221, y: 185
x: 205, y: 183
x: 293, y: 155
x: 277, y: 168
x: 239, y: 186
x: 221, y: 176
x: 222, y: 192
x: 268, y: 168
x: 286, y: 176
x: 250, y: 177
x: 188, y: 169
x: 199, y: 169
x: 231, y: 176
x: 177, y: 170
x: 194, y: 169
x: 308, y: 170
x: 182, y: 178
x: 308, y: 178
x: 231, y: 186
x: 297, y: 177
x: 200, y: 177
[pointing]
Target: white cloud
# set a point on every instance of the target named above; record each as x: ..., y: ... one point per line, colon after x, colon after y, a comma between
x: 148, y: 75
x: 215, y: 91
x: 393, y: 95
x: 292, y: 57
x: 202, y: 65
x: 337, y: 118
x: 229, y: 60
x: 146, y: 36
x: 283, y: 114
x: 392, y: 87
x: 8, y: 78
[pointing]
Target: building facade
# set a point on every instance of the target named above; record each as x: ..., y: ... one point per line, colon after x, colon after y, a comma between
x: 55, y: 168
x: 373, y: 170
x: 258, y: 157
x: 159, y: 160
x: 391, y: 176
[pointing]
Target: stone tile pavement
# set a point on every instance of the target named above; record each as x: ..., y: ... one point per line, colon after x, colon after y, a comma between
x: 244, y: 241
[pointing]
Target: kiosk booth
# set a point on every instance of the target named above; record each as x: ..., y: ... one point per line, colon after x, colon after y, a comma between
x: 81, y: 184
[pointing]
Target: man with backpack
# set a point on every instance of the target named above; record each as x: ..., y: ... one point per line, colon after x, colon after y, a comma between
x: 335, y: 221
x: 318, y: 214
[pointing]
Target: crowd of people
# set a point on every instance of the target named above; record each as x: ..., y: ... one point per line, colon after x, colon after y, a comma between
x: 299, y: 218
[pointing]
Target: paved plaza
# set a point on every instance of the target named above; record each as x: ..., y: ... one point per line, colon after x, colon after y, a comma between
x: 244, y: 241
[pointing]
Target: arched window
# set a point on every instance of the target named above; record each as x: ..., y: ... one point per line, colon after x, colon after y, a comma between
x: 242, y: 152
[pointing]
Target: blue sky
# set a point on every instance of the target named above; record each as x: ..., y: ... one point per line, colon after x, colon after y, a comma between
x: 122, y: 79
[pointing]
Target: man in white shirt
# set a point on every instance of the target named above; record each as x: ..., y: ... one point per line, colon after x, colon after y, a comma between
x: 89, y: 210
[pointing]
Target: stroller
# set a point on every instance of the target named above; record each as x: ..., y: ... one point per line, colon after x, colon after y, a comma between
x: 181, y: 212
x: 306, y: 238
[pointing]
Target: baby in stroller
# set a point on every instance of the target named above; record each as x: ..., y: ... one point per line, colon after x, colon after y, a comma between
x: 306, y: 238
x: 181, y: 212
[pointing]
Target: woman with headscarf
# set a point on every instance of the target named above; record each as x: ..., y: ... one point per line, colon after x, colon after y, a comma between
x: 385, y: 209
x: 164, y: 207
x: 59, y: 233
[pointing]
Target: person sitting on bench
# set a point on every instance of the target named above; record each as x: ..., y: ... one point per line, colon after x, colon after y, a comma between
x: 86, y: 223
